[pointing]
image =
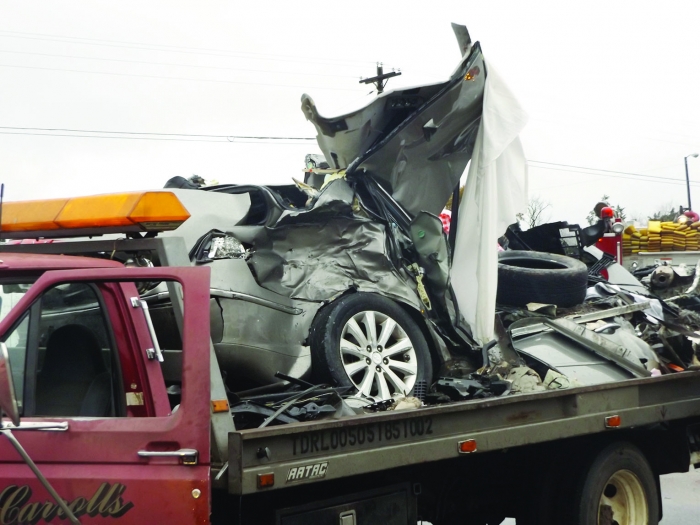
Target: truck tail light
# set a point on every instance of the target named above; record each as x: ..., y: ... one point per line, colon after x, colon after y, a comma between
x: 112, y: 213
x: 467, y: 447
x: 613, y: 422
x: 266, y: 480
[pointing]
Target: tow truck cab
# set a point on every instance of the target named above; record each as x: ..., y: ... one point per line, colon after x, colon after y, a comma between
x: 96, y: 417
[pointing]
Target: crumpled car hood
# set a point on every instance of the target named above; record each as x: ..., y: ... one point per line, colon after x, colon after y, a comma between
x: 416, y: 141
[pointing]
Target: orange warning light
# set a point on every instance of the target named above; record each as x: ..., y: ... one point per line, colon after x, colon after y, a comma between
x: 219, y: 405
x: 147, y: 211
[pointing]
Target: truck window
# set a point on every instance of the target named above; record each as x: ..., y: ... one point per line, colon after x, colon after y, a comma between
x: 10, y: 294
x: 71, y: 368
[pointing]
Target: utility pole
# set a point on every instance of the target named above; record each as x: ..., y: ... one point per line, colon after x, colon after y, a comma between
x: 687, y: 178
x: 381, y: 79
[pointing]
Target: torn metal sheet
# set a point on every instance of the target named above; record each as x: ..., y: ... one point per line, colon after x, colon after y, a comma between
x: 433, y: 254
x: 318, y: 252
x: 557, y: 352
x: 416, y: 140
x: 319, y: 261
x: 622, y: 333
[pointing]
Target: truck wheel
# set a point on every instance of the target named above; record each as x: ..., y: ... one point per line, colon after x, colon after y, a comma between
x: 368, y: 342
x: 536, y: 277
x: 619, y: 488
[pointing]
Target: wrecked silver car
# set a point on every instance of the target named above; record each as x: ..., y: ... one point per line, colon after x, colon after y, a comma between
x: 345, y: 278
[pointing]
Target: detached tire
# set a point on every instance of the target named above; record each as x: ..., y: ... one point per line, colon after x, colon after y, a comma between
x: 536, y: 277
x: 618, y: 487
x: 368, y: 342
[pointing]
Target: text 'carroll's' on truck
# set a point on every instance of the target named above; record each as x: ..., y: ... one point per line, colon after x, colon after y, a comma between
x: 323, y: 353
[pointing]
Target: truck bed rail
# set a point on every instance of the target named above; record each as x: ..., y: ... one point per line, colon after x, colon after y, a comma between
x: 324, y: 450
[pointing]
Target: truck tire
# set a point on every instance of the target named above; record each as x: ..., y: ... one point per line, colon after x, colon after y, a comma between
x: 368, y: 342
x: 536, y: 277
x: 619, y: 487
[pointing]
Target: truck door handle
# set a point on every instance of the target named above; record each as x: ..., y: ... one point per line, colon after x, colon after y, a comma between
x: 188, y: 456
x: 37, y: 425
x: 151, y: 353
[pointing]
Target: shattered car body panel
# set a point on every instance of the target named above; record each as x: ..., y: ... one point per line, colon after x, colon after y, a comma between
x: 415, y: 141
x: 324, y: 251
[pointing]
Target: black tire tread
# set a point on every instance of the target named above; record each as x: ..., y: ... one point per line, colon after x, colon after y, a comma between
x: 564, y: 286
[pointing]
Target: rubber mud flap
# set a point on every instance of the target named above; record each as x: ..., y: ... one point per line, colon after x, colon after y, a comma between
x: 537, y: 277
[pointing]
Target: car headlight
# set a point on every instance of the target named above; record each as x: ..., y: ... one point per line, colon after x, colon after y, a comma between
x: 226, y: 247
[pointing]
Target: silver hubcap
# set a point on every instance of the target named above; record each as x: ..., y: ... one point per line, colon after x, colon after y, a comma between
x: 378, y: 356
x: 623, y: 501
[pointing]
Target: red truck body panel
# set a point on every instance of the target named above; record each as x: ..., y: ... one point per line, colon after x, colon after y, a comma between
x: 94, y: 464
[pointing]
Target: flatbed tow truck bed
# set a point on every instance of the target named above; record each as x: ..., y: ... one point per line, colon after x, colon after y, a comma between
x: 378, y: 442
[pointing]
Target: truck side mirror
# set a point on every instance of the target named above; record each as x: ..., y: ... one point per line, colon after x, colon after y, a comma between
x: 8, y: 402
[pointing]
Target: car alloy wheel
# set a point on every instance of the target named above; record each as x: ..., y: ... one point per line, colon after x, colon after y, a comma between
x: 378, y: 356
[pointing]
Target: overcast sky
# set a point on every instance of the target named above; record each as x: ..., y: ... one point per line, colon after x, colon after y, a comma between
x: 611, y: 86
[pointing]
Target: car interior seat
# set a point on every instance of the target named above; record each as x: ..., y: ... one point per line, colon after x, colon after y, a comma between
x: 73, y: 380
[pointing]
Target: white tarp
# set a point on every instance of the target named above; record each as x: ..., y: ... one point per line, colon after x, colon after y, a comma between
x: 496, y: 190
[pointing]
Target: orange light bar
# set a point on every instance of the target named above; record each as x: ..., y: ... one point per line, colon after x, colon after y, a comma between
x: 613, y: 422
x: 31, y: 215
x: 467, y: 447
x: 266, y: 480
x: 117, y: 212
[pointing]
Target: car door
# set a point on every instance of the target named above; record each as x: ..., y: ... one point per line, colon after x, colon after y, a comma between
x: 96, y: 418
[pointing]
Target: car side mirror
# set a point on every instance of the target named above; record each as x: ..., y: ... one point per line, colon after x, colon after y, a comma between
x: 8, y: 401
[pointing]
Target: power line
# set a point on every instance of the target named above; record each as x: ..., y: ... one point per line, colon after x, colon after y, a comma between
x: 229, y: 139
x: 175, y: 49
x: 157, y: 134
x: 105, y: 137
x: 275, y: 71
x: 665, y: 181
x: 632, y: 174
x: 600, y: 175
x: 646, y: 137
x: 179, y: 78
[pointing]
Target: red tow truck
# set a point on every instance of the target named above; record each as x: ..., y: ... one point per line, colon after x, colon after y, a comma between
x: 94, y: 434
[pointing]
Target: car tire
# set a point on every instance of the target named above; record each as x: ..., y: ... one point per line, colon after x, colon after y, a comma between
x: 369, y: 343
x: 537, y: 277
x: 620, y: 487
